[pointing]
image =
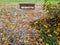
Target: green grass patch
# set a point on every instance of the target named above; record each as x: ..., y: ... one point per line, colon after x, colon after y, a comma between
x: 4, y: 1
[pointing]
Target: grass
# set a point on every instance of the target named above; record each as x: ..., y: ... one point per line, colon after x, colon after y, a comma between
x: 34, y: 1
x: 3, y: 1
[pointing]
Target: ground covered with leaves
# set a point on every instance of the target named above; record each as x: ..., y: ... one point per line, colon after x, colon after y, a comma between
x: 30, y: 27
x: 48, y: 28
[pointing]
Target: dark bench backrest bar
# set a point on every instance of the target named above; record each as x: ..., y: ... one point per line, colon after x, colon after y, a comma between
x: 27, y: 5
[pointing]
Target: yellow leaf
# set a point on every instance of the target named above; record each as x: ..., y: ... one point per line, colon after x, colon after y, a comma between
x: 27, y: 35
x: 10, y: 33
x: 37, y: 35
x: 45, y: 26
x: 40, y: 39
x: 48, y: 30
x: 12, y: 26
x: 58, y: 23
x: 3, y: 35
x: 56, y: 32
x: 50, y: 35
x: 21, y: 41
x: 26, y: 41
x: 47, y: 44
